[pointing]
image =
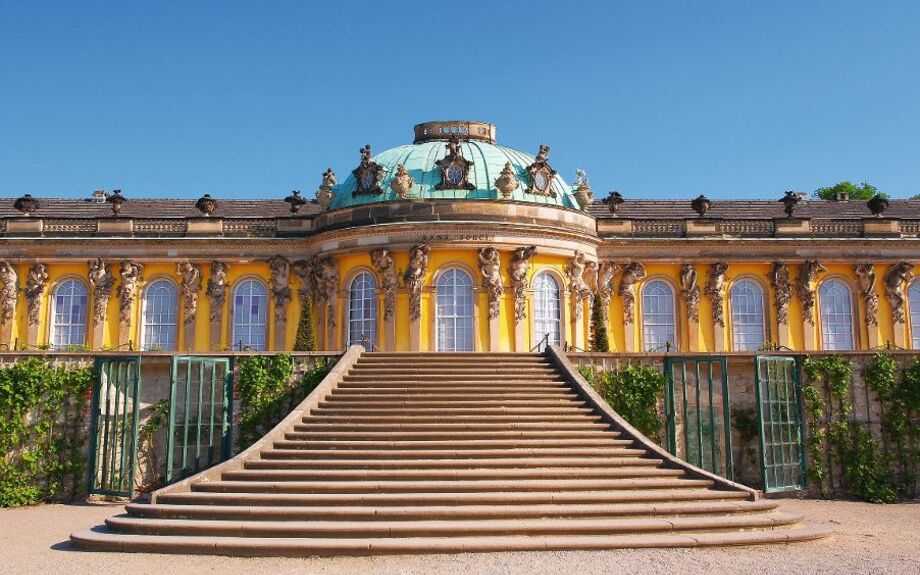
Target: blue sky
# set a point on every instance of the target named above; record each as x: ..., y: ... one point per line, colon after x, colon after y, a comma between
x: 655, y: 99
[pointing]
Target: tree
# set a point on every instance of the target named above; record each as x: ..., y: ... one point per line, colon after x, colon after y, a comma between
x: 599, y: 340
x: 915, y: 197
x: 305, y: 339
x: 863, y: 191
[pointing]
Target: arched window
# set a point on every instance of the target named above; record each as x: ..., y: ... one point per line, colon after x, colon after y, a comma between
x: 68, y: 314
x: 748, y: 323
x: 546, y: 311
x: 160, y: 311
x: 250, y: 315
x: 658, y: 327
x: 362, y: 310
x: 913, y: 299
x: 836, y: 315
x: 455, y: 311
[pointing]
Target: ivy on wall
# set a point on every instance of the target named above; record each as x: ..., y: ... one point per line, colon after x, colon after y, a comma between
x: 634, y: 392
x: 870, y: 470
x: 268, y: 392
x: 42, y: 431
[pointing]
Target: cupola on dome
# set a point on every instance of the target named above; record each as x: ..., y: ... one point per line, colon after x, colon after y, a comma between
x: 452, y: 160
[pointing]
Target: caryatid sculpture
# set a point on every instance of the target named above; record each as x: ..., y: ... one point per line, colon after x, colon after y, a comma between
x: 575, y: 269
x: 304, y: 271
x: 10, y: 280
x: 326, y: 283
x: 520, y: 259
x: 280, y: 273
x: 781, y: 279
x: 102, y: 281
x: 715, y: 289
x: 865, y: 276
x: 132, y: 274
x: 217, y: 289
x: 807, y: 277
x: 604, y: 284
x: 190, y: 284
x: 382, y: 260
x: 632, y: 274
x: 413, y: 278
x: 690, y: 291
x: 35, y: 288
x: 896, y: 278
x: 490, y: 268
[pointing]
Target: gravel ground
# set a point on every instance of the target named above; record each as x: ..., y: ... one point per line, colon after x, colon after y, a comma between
x: 868, y: 539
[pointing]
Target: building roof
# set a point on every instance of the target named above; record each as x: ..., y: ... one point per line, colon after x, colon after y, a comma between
x: 752, y: 209
x: 157, y: 208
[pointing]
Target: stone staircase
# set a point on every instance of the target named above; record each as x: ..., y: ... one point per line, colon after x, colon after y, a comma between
x: 447, y: 452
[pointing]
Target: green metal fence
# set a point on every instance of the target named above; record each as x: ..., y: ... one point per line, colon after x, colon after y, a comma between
x: 697, y: 414
x: 200, y: 414
x: 113, y: 426
x: 779, y: 408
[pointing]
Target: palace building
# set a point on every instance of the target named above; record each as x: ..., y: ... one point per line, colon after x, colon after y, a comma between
x: 456, y: 243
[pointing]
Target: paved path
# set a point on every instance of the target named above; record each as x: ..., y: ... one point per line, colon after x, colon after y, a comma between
x: 869, y: 539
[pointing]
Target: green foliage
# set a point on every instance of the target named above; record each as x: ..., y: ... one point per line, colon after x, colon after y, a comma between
x: 599, y: 340
x: 634, y: 392
x: 863, y: 191
x: 157, y: 418
x: 745, y: 422
x: 836, y: 439
x: 305, y: 340
x: 42, y: 431
x: 900, y: 405
x: 268, y: 393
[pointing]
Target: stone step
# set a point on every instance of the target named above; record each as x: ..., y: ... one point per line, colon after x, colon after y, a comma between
x: 425, y: 365
x: 441, y: 512
x: 446, y: 411
x: 617, y: 472
x: 386, y: 500
x: 471, y: 454
x: 307, y: 547
x: 435, y: 379
x: 421, y: 444
x: 448, y: 406
x: 450, y: 398
x: 435, y: 528
x: 452, y: 371
x: 458, y: 486
x: 324, y: 418
x: 400, y: 434
x: 453, y: 355
x: 382, y: 427
x: 372, y: 388
x: 511, y: 462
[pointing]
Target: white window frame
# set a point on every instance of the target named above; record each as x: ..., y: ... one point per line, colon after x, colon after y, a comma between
x: 71, y: 327
x: 362, y: 310
x: 658, y: 319
x: 243, y: 331
x: 157, y: 325
x: 836, y: 315
x: 913, y: 306
x: 749, y: 318
x: 547, y: 292
x: 459, y: 320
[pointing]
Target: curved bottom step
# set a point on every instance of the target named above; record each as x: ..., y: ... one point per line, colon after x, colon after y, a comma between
x: 104, y: 540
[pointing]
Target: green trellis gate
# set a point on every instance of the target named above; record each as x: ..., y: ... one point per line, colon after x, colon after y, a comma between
x: 779, y: 408
x: 697, y: 414
x: 113, y: 425
x: 200, y: 414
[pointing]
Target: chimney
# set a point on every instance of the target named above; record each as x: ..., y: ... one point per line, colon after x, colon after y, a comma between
x: 98, y: 197
x: 842, y: 196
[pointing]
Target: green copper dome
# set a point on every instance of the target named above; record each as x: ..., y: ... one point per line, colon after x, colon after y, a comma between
x: 477, y: 181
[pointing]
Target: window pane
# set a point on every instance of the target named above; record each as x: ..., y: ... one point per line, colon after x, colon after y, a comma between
x: 836, y: 315
x: 547, y: 323
x: 68, y: 325
x: 362, y: 311
x: 913, y: 298
x: 748, y: 324
x: 250, y: 311
x: 658, y: 326
x: 455, y: 311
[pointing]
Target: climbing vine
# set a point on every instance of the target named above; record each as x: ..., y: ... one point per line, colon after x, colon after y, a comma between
x: 42, y: 431
x: 157, y: 419
x: 634, y: 392
x: 268, y: 392
x: 835, y: 440
x: 900, y: 401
